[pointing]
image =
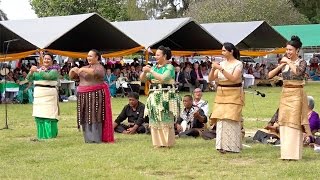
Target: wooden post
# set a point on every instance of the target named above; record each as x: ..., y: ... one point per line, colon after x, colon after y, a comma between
x: 147, y: 83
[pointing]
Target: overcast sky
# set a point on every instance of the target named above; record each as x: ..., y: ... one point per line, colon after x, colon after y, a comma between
x: 17, y: 9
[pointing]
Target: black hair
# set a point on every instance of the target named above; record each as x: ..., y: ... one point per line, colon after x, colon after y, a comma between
x: 166, y: 51
x: 295, y: 42
x: 25, y: 70
x: 133, y: 95
x: 49, y: 54
x: 189, y: 96
x: 97, y: 54
x: 230, y: 47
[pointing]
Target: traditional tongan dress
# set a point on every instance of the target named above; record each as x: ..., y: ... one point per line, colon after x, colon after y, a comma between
x: 293, y: 111
x: 94, y: 107
x: 162, y: 107
x: 227, y: 110
x: 45, y: 103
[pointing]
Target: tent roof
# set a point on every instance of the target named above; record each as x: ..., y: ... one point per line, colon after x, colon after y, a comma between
x: 15, y: 46
x: 309, y: 33
x: 178, y: 34
x: 71, y: 33
x: 254, y: 34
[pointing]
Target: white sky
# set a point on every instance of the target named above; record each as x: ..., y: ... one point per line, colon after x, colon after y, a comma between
x: 17, y: 9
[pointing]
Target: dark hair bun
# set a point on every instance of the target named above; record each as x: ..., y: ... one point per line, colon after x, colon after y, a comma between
x: 295, y: 42
x: 295, y: 38
x: 166, y: 51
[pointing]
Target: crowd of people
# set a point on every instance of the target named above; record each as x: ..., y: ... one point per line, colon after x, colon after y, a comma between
x: 295, y: 123
x: 125, y: 77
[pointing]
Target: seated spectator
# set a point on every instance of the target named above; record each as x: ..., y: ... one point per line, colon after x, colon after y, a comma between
x: 124, y: 74
x: 316, y: 76
x: 313, y: 117
x: 111, y: 79
x: 197, y: 75
x: 25, y: 94
x: 204, y: 70
x: 139, y: 69
x: 10, y: 77
x: 271, y: 133
x: 64, y: 75
x: 250, y: 69
x: 246, y: 68
x: 134, y: 78
x: 16, y: 74
x: 117, y: 72
x: 55, y: 65
x: 256, y: 71
x: 133, y: 75
x: 263, y: 72
x: 188, y: 79
x: 134, y: 112
x: 179, y: 81
x: 200, y: 103
x: 10, y: 96
x: 314, y: 61
x: 192, y: 119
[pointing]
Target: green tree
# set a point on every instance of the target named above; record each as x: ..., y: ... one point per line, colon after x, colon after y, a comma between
x: 109, y: 9
x: 134, y: 12
x: 310, y: 8
x: 158, y: 9
x: 275, y: 12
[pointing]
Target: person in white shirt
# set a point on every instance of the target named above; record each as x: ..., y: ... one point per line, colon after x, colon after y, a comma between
x: 200, y: 103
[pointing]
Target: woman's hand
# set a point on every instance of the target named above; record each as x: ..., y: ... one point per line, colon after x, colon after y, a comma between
x: 146, y: 69
x: 34, y: 69
x: 285, y: 60
x: 215, y: 65
x: 75, y: 70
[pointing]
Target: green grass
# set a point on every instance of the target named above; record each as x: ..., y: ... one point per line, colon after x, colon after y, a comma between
x: 132, y: 156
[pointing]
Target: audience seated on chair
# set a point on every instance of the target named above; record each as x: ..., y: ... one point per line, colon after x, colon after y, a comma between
x: 196, y: 74
x: 179, y: 81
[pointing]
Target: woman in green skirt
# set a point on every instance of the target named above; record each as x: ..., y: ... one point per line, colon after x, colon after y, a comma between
x: 45, y: 104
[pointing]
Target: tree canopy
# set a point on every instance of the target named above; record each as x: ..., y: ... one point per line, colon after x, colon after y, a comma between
x: 275, y: 12
x: 310, y: 8
x: 113, y: 10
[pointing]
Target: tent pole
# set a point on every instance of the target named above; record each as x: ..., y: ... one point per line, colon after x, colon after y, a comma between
x: 147, y: 83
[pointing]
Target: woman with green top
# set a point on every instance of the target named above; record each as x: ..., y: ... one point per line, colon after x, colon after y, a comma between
x: 25, y: 89
x: 163, y: 104
x: 45, y: 104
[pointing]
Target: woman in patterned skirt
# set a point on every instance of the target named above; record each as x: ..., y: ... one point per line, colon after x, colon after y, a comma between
x: 93, y: 101
x: 163, y: 104
x: 293, y: 109
x: 229, y: 100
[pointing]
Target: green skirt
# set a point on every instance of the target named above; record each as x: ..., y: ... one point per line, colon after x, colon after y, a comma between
x: 46, y: 128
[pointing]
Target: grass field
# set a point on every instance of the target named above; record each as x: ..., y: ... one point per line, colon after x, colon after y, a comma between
x: 133, y: 157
